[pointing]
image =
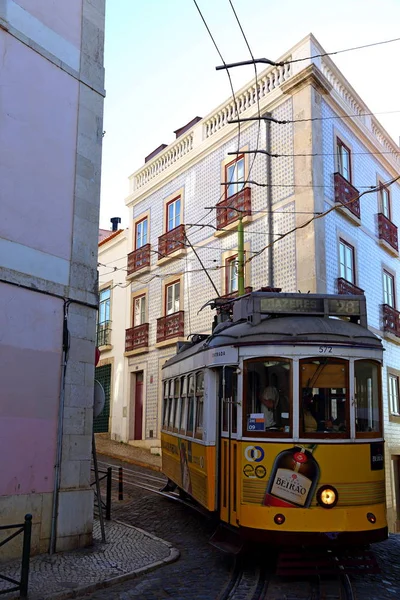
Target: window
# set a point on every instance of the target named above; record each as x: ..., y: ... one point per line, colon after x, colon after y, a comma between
x: 393, y: 385
x: 182, y: 421
x: 141, y: 233
x: 190, y: 412
x: 346, y: 261
x: 323, y: 397
x: 388, y: 289
x: 267, y: 397
x: 172, y: 297
x: 384, y: 198
x: 166, y: 404
x: 367, y: 398
x: 139, y: 311
x: 231, y: 265
x: 343, y: 159
x: 104, y: 306
x: 174, y: 213
x: 199, y: 404
x: 234, y: 176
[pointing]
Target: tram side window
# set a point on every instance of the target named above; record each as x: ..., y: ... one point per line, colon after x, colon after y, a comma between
x: 184, y: 403
x: 229, y: 403
x: 324, y: 397
x: 178, y: 403
x: 173, y: 386
x: 367, y: 396
x: 166, y: 404
x: 190, y: 412
x: 199, y: 404
x: 267, y: 396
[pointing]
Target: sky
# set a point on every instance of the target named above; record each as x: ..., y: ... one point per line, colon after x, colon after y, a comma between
x: 160, y: 67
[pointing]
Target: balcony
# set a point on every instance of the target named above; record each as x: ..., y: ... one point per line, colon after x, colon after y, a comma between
x: 391, y: 320
x: 171, y: 326
x: 388, y: 232
x: 137, y: 337
x: 344, y: 193
x: 138, y: 259
x: 231, y: 208
x: 345, y: 287
x: 171, y: 241
x: 103, y: 334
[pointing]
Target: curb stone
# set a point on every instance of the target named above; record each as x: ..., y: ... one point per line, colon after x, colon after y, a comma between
x: 131, y: 461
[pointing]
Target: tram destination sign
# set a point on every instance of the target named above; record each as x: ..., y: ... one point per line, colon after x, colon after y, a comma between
x: 310, y: 305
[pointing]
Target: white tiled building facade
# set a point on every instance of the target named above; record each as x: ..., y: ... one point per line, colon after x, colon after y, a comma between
x: 352, y: 248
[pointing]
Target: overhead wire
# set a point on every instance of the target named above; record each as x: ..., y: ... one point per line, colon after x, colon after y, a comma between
x: 291, y: 121
x: 296, y: 60
x: 323, y: 214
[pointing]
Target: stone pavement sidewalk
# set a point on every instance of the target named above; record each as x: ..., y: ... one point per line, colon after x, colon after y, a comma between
x: 131, y: 454
x: 128, y: 552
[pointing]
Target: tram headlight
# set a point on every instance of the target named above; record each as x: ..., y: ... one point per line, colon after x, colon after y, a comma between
x: 371, y: 518
x: 327, y: 496
x: 279, y: 519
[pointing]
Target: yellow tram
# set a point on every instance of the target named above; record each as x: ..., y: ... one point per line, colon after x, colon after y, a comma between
x: 274, y: 421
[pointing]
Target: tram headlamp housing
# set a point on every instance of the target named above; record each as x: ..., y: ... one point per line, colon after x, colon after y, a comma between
x: 327, y: 496
x: 279, y: 519
x: 371, y: 518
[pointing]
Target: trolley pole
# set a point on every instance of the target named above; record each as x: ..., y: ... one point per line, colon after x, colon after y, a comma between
x: 240, y: 257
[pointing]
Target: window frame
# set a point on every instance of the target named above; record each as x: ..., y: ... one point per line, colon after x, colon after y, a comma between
x: 391, y: 276
x: 198, y: 431
x: 137, y: 224
x: 167, y: 286
x: 106, y: 302
x: 383, y: 189
x: 235, y: 161
x: 167, y: 206
x: 370, y: 434
x: 135, y: 299
x: 343, y: 242
x: 321, y: 434
x: 267, y: 434
x: 392, y: 412
x: 228, y: 279
x: 339, y: 146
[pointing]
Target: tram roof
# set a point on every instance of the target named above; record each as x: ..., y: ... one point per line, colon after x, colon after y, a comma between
x: 284, y: 330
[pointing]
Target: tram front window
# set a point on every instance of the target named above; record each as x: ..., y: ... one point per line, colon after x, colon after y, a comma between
x: 267, y: 396
x: 324, y: 397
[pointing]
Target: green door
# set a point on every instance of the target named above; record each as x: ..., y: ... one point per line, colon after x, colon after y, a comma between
x: 103, y: 376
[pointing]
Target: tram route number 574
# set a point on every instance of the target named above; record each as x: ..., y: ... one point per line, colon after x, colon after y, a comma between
x: 325, y: 349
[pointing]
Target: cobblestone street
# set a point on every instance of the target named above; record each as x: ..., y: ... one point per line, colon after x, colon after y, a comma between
x: 202, y: 571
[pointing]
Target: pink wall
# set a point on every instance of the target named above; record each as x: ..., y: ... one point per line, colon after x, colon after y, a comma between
x: 37, y: 148
x: 62, y: 17
x: 30, y: 359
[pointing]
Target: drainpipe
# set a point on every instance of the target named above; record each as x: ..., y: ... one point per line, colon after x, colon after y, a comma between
x: 57, y: 468
x: 269, y: 202
x: 240, y: 258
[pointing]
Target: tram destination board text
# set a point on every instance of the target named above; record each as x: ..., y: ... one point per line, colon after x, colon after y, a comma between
x: 315, y: 306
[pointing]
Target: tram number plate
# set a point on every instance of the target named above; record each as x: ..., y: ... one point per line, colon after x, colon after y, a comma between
x: 325, y: 349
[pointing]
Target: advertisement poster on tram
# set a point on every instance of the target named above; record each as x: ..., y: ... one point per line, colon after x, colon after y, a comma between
x: 185, y: 473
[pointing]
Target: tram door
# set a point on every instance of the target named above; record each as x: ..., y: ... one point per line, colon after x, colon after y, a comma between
x: 229, y: 449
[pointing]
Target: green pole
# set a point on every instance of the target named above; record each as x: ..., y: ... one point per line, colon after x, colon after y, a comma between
x: 240, y: 258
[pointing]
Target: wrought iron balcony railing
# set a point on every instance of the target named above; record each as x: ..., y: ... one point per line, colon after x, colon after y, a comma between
x: 387, y: 231
x: 171, y: 326
x: 137, y: 337
x: 346, y: 287
x: 171, y: 241
x: 104, y: 334
x: 230, y: 209
x: 345, y: 194
x: 391, y: 319
x: 138, y: 259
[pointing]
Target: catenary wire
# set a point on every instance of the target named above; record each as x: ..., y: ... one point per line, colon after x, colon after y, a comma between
x: 291, y: 121
x: 272, y: 155
x: 296, y: 60
x: 230, y: 83
x: 323, y: 214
